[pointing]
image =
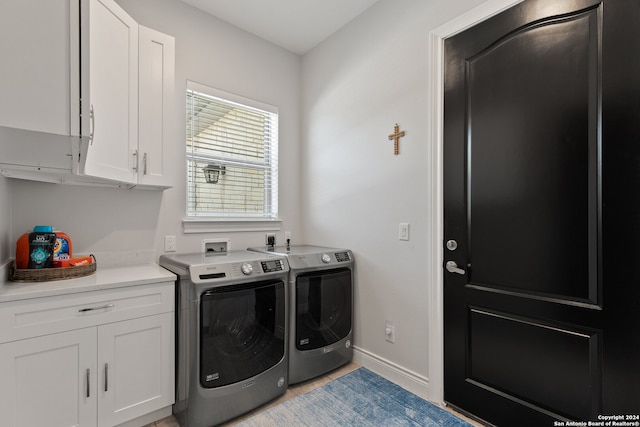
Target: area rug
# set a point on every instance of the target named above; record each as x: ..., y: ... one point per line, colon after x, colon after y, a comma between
x: 360, y: 398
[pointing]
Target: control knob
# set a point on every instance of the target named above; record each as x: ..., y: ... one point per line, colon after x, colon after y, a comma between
x: 326, y: 258
x: 246, y: 268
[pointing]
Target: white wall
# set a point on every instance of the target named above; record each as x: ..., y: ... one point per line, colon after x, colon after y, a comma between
x: 214, y: 53
x: 356, y: 86
x: 107, y: 222
x: 6, y: 241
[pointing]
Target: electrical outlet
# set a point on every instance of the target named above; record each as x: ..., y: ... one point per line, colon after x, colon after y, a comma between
x: 390, y: 332
x: 170, y: 244
x: 270, y: 239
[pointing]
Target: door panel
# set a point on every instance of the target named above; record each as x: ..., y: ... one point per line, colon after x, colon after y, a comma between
x: 525, y: 358
x: 49, y: 380
x: 527, y: 208
x: 541, y: 155
x: 113, y: 92
x: 134, y: 357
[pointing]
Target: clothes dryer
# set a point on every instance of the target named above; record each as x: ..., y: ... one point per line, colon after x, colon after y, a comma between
x: 320, y: 308
x: 232, y: 334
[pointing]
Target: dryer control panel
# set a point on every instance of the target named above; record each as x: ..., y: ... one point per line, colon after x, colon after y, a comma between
x: 309, y: 256
x: 343, y: 256
x: 320, y: 259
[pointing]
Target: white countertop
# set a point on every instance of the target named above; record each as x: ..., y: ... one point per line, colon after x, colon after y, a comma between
x: 103, y: 278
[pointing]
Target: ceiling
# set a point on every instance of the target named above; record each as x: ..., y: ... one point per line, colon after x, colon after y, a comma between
x: 296, y: 25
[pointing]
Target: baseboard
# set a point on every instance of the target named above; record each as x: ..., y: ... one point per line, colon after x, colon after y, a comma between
x: 148, y: 418
x: 405, y: 378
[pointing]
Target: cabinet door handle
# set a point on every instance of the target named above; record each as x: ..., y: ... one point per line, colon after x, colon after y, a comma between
x: 106, y: 377
x: 104, y: 307
x: 135, y: 160
x: 92, y: 128
x: 144, y: 164
x: 88, y: 382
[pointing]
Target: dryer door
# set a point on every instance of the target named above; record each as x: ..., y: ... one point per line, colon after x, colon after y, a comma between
x: 323, y: 308
x: 242, y: 331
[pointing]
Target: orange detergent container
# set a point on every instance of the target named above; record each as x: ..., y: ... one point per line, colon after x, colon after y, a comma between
x: 63, y: 249
x: 35, y: 249
x: 22, y: 251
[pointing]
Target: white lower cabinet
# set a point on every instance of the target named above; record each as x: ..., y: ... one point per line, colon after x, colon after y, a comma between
x: 50, y: 380
x: 134, y: 358
x: 102, y: 375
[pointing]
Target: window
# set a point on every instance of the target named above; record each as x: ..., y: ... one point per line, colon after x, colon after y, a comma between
x: 232, y: 156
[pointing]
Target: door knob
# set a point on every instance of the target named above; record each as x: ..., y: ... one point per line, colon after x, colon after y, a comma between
x: 452, y: 267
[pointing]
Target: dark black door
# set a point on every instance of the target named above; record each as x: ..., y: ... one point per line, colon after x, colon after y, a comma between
x: 541, y: 170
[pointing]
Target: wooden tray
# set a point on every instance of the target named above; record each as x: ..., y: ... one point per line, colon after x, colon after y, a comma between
x: 48, y: 274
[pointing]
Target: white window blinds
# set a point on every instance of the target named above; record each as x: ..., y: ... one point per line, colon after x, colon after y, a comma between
x: 232, y: 156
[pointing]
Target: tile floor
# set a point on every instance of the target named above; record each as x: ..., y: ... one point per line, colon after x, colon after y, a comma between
x: 293, y: 391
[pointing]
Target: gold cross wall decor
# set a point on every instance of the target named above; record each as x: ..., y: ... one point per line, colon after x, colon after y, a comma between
x: 395, y: 136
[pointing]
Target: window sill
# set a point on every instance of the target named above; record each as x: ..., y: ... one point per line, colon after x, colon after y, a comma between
x: 214, y: 225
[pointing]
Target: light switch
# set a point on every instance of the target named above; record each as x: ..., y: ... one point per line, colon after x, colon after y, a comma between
x: 403, y: 231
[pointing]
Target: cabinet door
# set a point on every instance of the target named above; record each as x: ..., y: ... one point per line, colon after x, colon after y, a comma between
x: 109, y: 90
x: 136, y: 364
x: 49, y: 380
x: 35, y: 74
x: 156, y: 90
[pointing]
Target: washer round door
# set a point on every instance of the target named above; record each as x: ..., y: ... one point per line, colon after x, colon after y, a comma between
x: 323, y: 308
x: 242, y: 331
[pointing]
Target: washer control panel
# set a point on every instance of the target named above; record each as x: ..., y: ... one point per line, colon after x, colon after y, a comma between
x: 272, y: 265
x: 223, y: 272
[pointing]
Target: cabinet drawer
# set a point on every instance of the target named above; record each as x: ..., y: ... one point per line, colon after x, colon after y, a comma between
x: 48, y: 315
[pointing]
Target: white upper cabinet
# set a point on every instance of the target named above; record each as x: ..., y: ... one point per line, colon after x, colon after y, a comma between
x: 84, y: 70
x: 156, y: 86
x: 109, y: 90
x: 35, y: 79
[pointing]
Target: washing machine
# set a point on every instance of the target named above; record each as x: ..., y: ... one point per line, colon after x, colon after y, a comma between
x: 232, y: 333
x: 320, y: 308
